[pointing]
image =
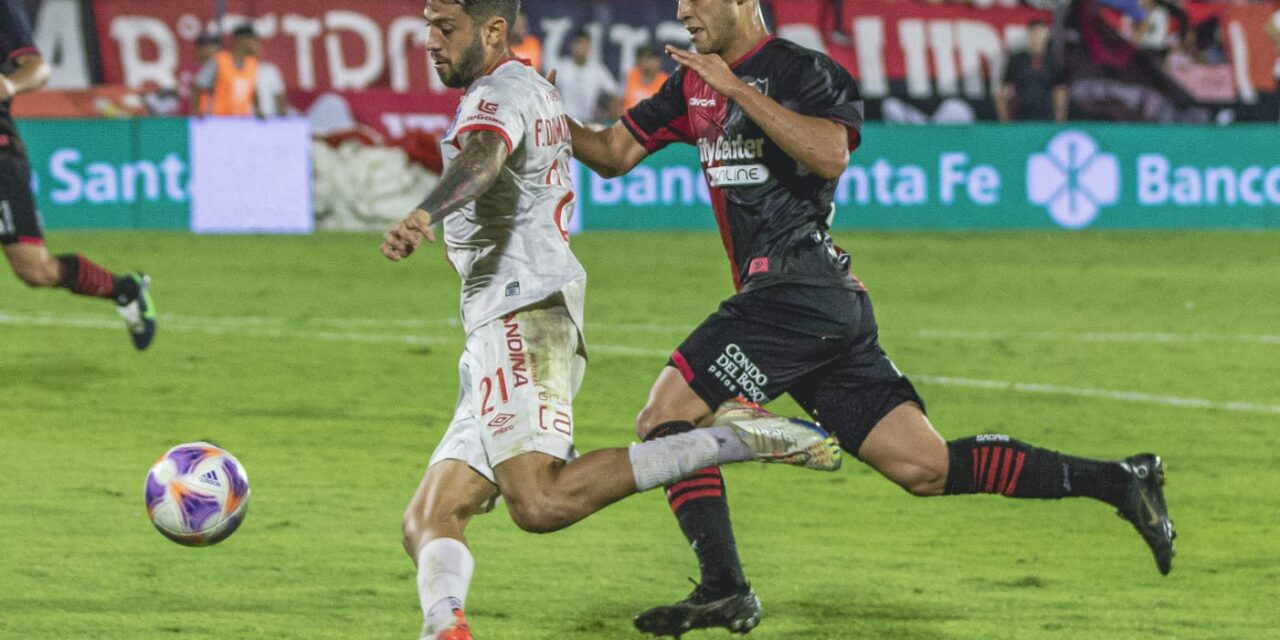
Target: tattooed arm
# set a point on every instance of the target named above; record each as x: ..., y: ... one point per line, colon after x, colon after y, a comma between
x: 472, y: 173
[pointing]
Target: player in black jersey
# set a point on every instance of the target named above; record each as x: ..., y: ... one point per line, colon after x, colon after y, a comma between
x: 774, y: 124
x: 21, y: 233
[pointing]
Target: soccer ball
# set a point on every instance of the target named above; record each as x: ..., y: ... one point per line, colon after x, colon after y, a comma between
x: 197, y: 494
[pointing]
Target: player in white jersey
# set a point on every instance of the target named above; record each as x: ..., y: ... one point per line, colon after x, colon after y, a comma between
x: 504, y: 199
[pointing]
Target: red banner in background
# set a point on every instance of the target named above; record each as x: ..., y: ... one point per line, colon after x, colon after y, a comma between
x: 1244, y: 34
x: 937, y: 50
x: 338, y: 44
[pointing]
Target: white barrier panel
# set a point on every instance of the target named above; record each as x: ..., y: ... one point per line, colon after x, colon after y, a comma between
x: 251, y: 176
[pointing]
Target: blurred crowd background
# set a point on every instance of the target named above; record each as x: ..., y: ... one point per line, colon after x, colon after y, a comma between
x: 917, y: 60
x: 358, y: 73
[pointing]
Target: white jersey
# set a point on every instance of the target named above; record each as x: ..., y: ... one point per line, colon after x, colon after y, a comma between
x: 511, y: 246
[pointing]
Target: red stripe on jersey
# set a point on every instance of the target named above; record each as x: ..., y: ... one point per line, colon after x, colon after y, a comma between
x: 1004, y: 470
x: 720, y: 206
x: 855, y: 137
x: 683, y: 366
x: 504, y: 60
x: 678, y: 130
x: 641, y: 137
x: 560, y: 207
x: 754, y: 50
x: 36, y: 242
x: 694, y: 495
x: 982, y: 466
x: 484, y: 127
x: 991, y: 473
x: 1017, y: 473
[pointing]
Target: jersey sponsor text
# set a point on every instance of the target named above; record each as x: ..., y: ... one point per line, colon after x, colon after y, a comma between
x: 551, y: 131
x: 729, y: 150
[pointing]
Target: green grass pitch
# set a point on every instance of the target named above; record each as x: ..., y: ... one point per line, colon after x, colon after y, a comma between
x: 331, y: 373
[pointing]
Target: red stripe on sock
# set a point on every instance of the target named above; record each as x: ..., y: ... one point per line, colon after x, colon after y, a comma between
x: 93, y: 280
x: 1004, y: 470
x: 1017, y: 472
x: 694, y: 482
x: 991, y: 472
x: 695, y: 495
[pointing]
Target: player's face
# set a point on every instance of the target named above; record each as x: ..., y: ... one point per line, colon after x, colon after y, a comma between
x: 712, y: 24
x: 455, y: 47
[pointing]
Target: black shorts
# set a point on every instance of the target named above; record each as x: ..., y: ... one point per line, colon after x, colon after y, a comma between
x: 819, y: 344
x: 19, y: 218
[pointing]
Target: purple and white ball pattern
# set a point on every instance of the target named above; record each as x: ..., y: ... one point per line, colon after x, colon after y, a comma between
x: 197, y: 494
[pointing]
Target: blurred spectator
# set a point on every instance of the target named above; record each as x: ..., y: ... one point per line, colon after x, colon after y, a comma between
x: 1203, y: 42
x: 590, y: 93
x: 1152, y: 34
x: 207, y: 44
x: 645, y: 79
x: 230, y: 78
x: 524, y: 44
x: 270, y: 90
x: 1034, y: 86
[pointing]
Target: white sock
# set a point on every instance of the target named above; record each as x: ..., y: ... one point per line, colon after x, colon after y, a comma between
x: 667, y: 459
x: 445, y: 566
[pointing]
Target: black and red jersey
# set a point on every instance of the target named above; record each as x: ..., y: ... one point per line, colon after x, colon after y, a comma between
x: 774, y: 214
x: 15, y: 41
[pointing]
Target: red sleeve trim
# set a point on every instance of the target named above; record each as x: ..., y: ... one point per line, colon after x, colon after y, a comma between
x: 16, y: 53
x: 854, y: 132
x: 686, y: 371
x: 855, y: 139
x: 511, y: 148
x: 675, y: 131
x: 29, y: 240
x: 640, y: 136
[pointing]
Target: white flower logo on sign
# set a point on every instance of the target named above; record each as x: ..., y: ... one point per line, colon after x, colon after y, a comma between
x: 1073, y: 178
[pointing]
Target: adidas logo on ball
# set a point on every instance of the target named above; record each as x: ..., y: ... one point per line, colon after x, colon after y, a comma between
x: 210, y: 478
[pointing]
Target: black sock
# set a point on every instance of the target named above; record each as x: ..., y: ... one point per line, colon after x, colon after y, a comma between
x: 999, y: 464
x: 703, y: 512
x: 127, y: 289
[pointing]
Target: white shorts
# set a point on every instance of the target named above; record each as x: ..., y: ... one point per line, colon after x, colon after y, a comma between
x: 518, y: 378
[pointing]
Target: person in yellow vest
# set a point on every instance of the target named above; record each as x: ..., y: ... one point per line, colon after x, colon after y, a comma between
x: 524, y: 44
x: 230, y: 79
x: 645, y: 79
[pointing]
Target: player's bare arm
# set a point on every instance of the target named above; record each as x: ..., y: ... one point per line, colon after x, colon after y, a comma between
x: 472, y: 174
x: 817, y: 143
x: 31, y: 74
x: 610, y: 152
